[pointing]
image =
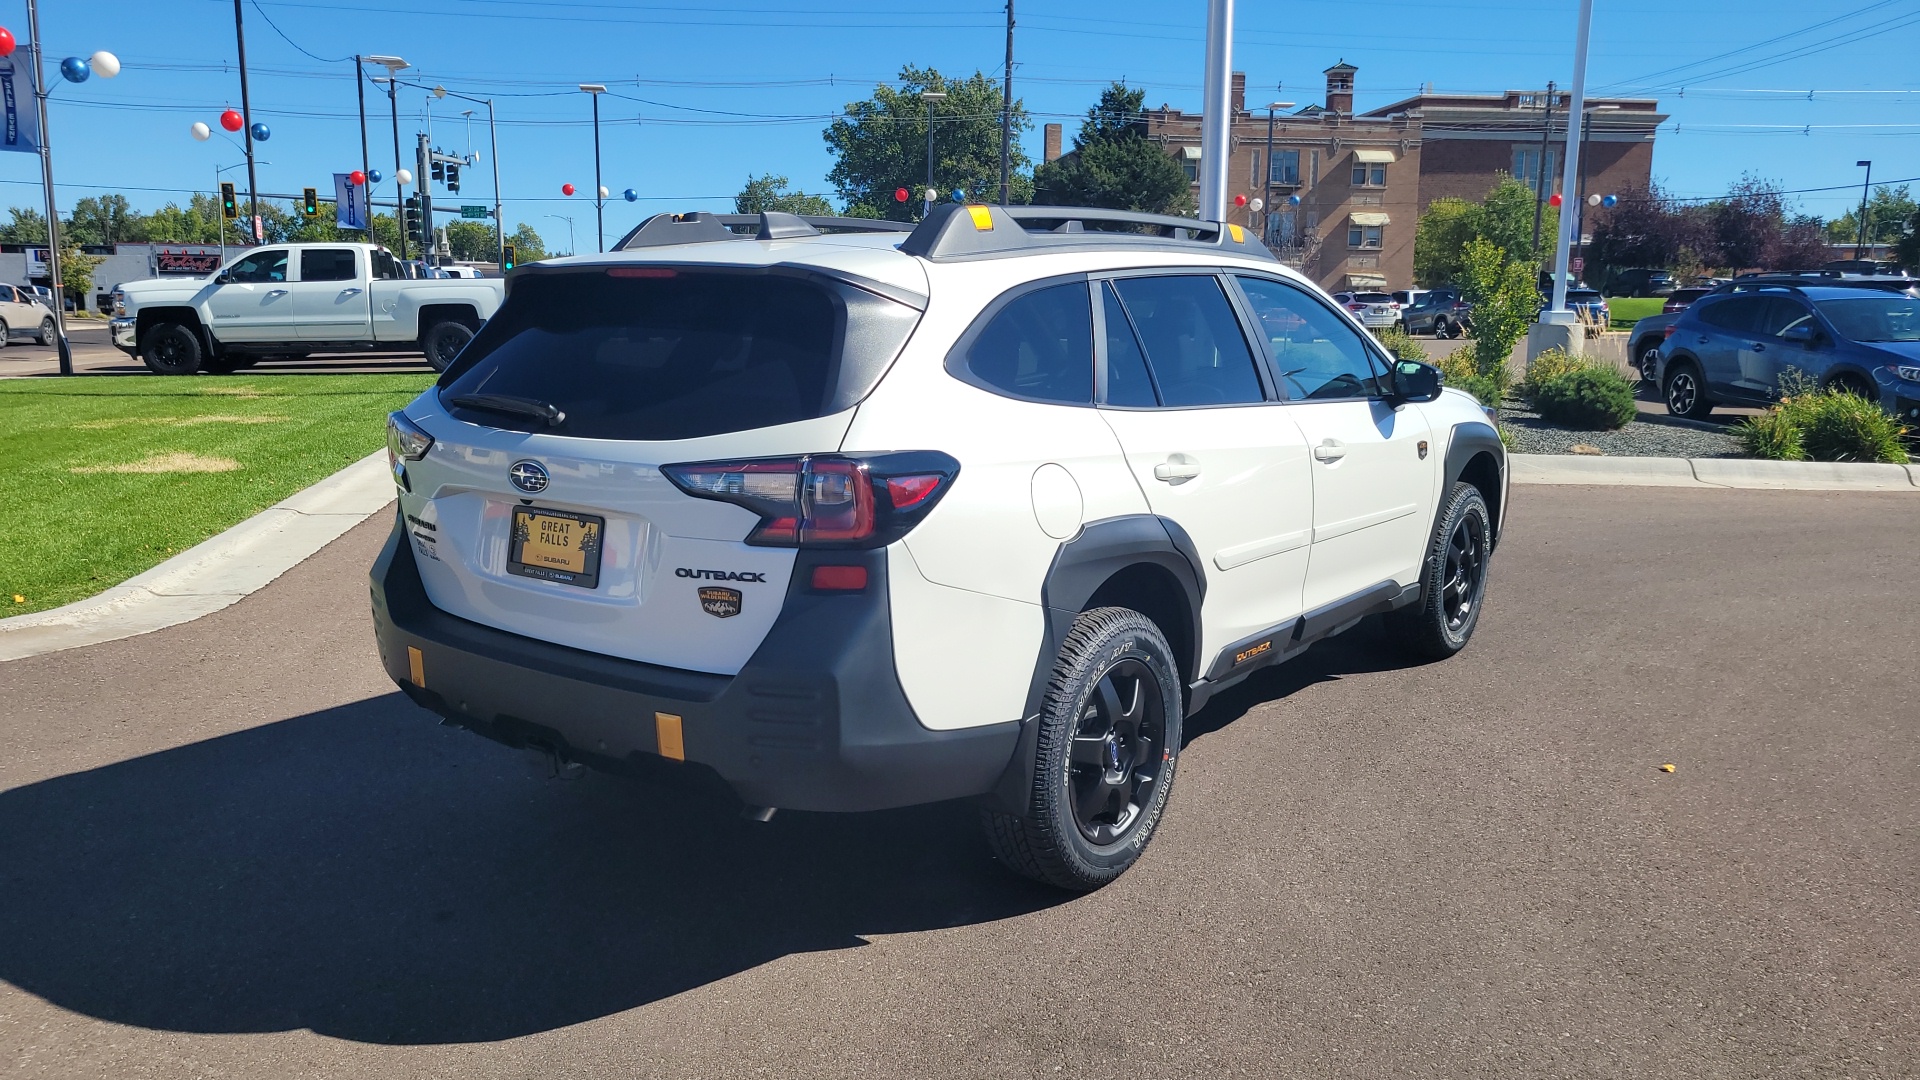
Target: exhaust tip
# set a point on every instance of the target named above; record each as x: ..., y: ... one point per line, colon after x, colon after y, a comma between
x: 761, y: 814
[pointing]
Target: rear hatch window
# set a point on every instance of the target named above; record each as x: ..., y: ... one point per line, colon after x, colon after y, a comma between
x: 660, y: 353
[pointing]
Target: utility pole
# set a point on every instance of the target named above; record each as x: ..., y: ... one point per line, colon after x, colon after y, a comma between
x: 930, y: 97
x: 46, y: 179
x: 1570, y: 168
x: 246, y: 119
x: 423, y: 162
x: 1860, y: 238
x: 594, y: 90
x: 1006, y: 117
x: 360, y: 91
x: 1216, y: 126
x: 1540, y: 170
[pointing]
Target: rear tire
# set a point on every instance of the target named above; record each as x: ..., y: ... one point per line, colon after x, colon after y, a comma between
x: 1649, y: 364
x: 172, y: 349
x: 1684, y: 395
x: 1106, y: 750
x: 443, y: 341
x: 1453, y: 580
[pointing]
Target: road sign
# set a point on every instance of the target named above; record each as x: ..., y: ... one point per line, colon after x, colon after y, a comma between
x: 1577, y: 265
x: 473, y: 211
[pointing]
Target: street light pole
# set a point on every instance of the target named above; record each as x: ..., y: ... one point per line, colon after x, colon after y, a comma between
x: 1575, y: 107
x: 246, y: 118
x: 1580, y: 202
x: 394, y: 66
x: 1216, y: 125
x: 1266, y: 188
x: 931, y: 97
x: 46, y: 179
x: 1540, y: 171
x: 569, y: 221
x: 594, y: 90
x: 1860, y: 238
x: 1006, y: 117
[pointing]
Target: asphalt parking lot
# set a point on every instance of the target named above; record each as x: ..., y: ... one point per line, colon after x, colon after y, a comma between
x: 94, y: 354
x: 231, y: 849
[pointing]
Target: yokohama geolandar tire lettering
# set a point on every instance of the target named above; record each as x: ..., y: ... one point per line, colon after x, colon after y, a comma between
x: 1105, y: 755
x: 1453, y: 579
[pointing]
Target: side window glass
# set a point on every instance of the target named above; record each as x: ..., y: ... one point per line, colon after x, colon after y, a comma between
x: 1740, y: 314
x: 385, y: 266
x: 261, y: 267
x: 1040, y: 346
x: 1127, y: 380
x: 326, y: 264
x: 1784, y: 314
x: 1192, y: 340
x: 1316, y: 355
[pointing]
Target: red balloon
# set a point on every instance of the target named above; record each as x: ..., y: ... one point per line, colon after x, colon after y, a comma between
x: 1239, y: 200
x: 566, y: 189
x: 231, y: 120
x: 356, y: 178
x: 899, y: 194
x: 1553, y: 200
x: 6, y: 41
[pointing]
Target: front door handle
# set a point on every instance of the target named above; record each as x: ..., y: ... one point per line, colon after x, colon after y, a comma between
x: 276, y: 292
x: 350, y: 292
x: 1758, y: 346
x: 1703, y: 339
x: 1177, y: 468
x: 1329, y: 451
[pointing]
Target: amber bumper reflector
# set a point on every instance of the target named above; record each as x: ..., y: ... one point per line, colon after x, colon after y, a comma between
x: 416, y: 667
x: 666, y: 728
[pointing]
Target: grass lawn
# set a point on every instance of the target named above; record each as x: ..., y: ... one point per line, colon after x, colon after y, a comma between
x: 1627, y: 310
x: 110, y: 475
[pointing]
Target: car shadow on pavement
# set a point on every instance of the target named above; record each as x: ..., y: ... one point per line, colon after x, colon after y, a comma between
x: 366, y: 874
x: 1361, y: 650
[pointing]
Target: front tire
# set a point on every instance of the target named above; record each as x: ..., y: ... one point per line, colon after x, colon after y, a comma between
x: 1453, y: 580
x: 443, y: 341
x: 172, y: 349
x: 1106, y: 750
x: 47, y: 334
x: 1684, y: 395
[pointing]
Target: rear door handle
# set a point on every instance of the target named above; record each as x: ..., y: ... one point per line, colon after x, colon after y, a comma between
x: 1329, y: 451
x: 1176, y: 468
x: 1703, y: 339
x: 1758, y: 346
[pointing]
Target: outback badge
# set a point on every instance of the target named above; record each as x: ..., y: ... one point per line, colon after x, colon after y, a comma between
x: 721, y: 603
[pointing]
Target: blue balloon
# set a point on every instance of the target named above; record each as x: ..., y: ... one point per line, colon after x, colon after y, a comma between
x: 1293, y: 200
x: 75, y: 69
x: 1610, y: 200
x: 959, y: 196
x: 261, y: 133
x: 632, y: 195
x: 373, y: 176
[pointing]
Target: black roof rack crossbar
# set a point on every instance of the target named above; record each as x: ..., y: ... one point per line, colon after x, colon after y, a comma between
x: 661, y: 230
x: 954, y: 231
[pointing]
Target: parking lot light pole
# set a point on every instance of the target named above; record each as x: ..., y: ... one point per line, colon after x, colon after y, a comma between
x: 1580, y: 201
x: 569, y: 221
x: 1569, y: 175
x: 1266, y: 189
x: 594, y: 90
x: 931, y: 97
x: 1216, y: 122
x: 394, y: 66
x: 1860, y: 238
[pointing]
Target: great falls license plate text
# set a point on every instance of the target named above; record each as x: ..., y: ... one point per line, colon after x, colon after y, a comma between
x: 556, y: 545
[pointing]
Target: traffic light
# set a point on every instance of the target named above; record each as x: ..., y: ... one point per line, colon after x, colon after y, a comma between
x: 453, y: 178
x: 229, y: 206
x: 506, y: 258
x: 410, y: 220
x: 310, y: 202
x: 439, y: 172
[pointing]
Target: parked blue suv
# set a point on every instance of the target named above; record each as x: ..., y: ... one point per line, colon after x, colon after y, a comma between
x: 1732, y: 348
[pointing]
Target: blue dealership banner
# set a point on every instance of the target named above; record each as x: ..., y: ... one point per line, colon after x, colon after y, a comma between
x: 19, y: 116
x: 349, y: 202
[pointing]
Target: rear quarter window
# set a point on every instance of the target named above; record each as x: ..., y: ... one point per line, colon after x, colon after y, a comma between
x: 678, y: 354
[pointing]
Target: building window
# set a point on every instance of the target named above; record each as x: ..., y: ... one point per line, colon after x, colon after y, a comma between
x: 1283, y: 228
x: 1285, y: 167
x: 1363, y: 236
x: 1369, y: 174
x: 1190, y: 162
x: 1526, y: 164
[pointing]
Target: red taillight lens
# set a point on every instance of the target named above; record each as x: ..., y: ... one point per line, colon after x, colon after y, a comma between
x: 825, y: 500
x: 1668, y: 332
x: 839, y: 578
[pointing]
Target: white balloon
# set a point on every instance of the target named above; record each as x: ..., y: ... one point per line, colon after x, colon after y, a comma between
x: 105, y: 64
x: 604, y: 192
x: 1593, y: 200
x: 1257, y: 205
x: 201, y: 131
x: 403, y: 177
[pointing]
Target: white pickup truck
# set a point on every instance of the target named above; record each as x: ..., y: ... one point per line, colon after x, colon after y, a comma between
x: 289, y: 300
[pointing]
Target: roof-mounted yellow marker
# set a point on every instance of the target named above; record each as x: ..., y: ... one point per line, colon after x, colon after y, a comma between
x: 1239, y: 234
x: 982, y: 218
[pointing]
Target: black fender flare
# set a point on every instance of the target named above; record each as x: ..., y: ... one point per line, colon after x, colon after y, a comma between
x: 1468, y: 441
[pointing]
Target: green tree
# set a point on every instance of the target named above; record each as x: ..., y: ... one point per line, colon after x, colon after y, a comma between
x: 1887, y: 213
x: 76, y: 272
x: 1906, y: 250
x: 1505, y: 302
x: 472, y: 241
x: 1503, y: 219
x: 104, y: 219
x: 196, y: 223
x: 527, y: 245
x: 1440, y: 241
x: 27, y: 227
x: 1506, y: 222
x: 881, y: 144
x: 1114, y: 165
x: 769, y: 192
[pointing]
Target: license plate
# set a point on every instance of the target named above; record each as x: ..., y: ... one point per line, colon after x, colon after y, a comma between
x: 556, y: 545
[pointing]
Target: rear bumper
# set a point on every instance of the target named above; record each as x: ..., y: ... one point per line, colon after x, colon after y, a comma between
x: 816, y: 720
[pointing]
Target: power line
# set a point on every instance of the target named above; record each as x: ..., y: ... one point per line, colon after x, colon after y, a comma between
x: 290, y: 41
x: 1664, y: 72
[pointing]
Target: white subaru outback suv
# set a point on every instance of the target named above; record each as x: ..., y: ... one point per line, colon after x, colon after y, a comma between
x: 855, y: 517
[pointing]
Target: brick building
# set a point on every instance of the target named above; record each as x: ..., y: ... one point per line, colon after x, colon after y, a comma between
x: 1344, y: 192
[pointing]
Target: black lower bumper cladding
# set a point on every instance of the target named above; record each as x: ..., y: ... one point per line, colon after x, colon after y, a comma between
x: 816, y: 720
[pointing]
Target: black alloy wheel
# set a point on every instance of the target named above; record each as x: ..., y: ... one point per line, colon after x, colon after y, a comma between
x: 1683, y: 396
x: 443, y: 341
x: 1115, y: 759
x: 172, y: 349
x: 1453, y: 580
x: 1650, y: 366
x: 1464, y: 576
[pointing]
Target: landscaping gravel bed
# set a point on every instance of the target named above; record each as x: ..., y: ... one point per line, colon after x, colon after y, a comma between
x: 1641, y: 438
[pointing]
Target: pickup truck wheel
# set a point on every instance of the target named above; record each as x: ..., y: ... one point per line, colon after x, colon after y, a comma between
x: 1108, y: 741
x: 172, y: 349
x: 443, y: 341
x: 47, y: 334
x: 1453, y: 580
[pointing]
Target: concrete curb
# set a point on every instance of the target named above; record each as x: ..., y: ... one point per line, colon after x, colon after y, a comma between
x: 210, y: 576
x: 1712, y: 473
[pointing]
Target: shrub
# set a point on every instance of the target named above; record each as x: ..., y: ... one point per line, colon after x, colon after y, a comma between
x: 1401, y: 345
x: 1587, y: 398
x: 1457, y: 370
x: 1549, y: 365
x: 1811, y: 424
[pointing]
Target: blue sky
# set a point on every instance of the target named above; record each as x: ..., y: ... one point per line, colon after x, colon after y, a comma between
x: 704, y: 94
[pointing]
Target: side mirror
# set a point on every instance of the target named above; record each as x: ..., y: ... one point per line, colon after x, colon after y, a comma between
x: 1800, y: 334
x: 224, y: 277
x: 1415, y: 382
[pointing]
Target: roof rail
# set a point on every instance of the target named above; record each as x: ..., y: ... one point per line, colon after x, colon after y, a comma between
x: 661, y: 230
x: 953, y: 231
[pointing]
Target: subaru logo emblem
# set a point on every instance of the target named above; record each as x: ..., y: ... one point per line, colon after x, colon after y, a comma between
x: 528, y: 476
x: 1113, y: 756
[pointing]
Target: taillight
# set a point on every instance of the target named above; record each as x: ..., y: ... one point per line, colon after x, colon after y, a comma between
x: 825, y: 500
x: 1668, y: 332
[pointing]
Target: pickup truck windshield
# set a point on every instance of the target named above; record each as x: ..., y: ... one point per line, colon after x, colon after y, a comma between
x: 651, y: 353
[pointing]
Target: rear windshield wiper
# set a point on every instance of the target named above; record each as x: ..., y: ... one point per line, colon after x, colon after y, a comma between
x: 546, y: 413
